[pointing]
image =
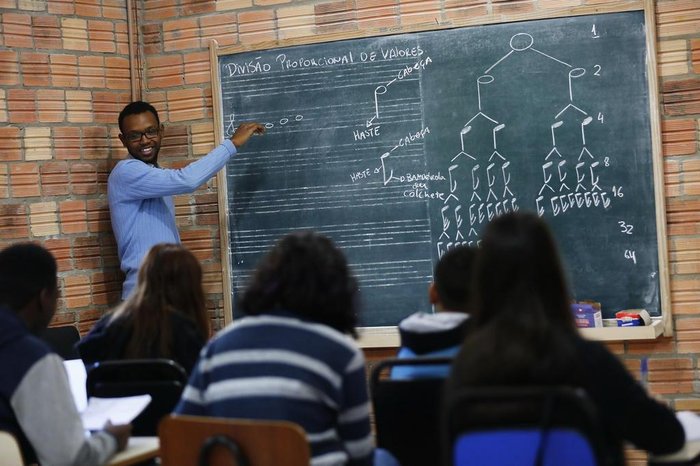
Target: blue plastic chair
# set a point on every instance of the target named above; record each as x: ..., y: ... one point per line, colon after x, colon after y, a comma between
x: 523, y: 426
x: 554, y: 447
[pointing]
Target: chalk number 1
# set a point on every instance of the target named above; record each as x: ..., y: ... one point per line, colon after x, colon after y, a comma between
x: 594, y: 32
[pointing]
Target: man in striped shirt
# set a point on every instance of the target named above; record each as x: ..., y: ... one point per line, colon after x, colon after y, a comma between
x: 140, y: 192
x: 292, y: 358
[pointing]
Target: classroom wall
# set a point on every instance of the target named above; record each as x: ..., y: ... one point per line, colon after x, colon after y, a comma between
x: 64, y: 76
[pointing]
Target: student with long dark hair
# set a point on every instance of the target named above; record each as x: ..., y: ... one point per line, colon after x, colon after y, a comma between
x: 524, y: 334
x: 291, y: 357
x: 165, y: 317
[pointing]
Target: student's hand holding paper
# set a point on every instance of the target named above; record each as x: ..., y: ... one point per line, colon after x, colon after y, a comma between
x: 120, y: 432
x: 121, y: 411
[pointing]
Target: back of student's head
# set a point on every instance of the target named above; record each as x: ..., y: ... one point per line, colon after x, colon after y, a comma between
x: 169, y: 280
x: 136, y: 108
x: 453, y: 276
x: 519, y: 273
x: 25, y: 270
x: 524, y: 331
x: 307, y: 274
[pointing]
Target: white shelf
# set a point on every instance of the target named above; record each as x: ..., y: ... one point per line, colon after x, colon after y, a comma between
x: 647, y: 332
x: 388, y: 337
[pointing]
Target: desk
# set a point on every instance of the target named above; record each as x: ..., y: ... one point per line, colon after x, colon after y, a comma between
x: 139, y: 449
x: 687, y: 456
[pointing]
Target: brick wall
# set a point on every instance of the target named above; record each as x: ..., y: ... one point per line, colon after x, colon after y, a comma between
x: 64, y: 75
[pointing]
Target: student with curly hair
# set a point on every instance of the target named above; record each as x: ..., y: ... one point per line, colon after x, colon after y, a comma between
x: 290, y: 358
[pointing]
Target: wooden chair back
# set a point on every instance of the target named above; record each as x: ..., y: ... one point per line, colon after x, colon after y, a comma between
x: 261, y: 443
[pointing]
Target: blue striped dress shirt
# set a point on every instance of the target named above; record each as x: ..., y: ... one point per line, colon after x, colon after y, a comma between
x: 141, y: 204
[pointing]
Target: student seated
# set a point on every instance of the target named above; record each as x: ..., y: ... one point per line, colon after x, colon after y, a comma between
x: 290, y: 357
x: 439, y: 334
x: 524, y: 334
x: 165, y: 317
x: 36, y: 404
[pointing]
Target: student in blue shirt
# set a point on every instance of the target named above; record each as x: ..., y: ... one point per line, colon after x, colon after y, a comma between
x: 441, y: 333
x: 140, y: 192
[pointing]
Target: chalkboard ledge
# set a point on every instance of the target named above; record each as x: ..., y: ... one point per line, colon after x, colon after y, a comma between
x: 388, y: 337
x: 648, y: 332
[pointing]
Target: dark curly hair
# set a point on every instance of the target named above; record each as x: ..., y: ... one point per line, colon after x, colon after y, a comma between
x: 307, y: 274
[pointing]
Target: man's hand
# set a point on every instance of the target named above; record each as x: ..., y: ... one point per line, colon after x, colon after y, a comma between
x: 120, y: 432
x: 245, y: 131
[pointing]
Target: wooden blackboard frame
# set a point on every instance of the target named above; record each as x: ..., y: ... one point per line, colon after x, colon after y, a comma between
x: 388, y: 336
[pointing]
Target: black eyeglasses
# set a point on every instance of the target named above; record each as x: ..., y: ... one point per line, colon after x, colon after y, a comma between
x: 134, y: 136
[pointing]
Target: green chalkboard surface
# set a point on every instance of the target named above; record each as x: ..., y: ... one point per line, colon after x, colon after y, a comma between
x: 400, y: 147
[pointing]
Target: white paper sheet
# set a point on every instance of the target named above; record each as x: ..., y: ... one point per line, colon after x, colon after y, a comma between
x: 116, y: 410
x: 76, y: 378
x: 691, y: 425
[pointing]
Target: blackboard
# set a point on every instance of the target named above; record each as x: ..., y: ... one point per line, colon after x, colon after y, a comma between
x: 402, y: 146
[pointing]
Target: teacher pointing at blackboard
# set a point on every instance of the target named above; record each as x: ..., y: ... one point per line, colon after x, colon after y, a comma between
x: 140, y: 192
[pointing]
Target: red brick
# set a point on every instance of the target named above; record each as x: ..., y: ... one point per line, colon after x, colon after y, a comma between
x: 223, y: 27
x: 83, y: 178
x: 98, y: 219
x: 181, y: 34
x: 21, y: 104
x: 66, y: 142
x: 679, y: 137
x: 101, y: 36
x: 88, y: 8
x: 9, y: 68
x: 17, y: 30
x: 186, y: 104
x: 10, y: 144
x: 95, y: 142
x: 152, y: 39
x: 76, y: 291
x: 54, y: 179
x: 157, y: 10
x: 107, y: 105
x: 14, y: 222
x: 73, y: 214
x: 118, y: 74
x: 47, y: 32
x: 91, y: 70
x: 51, y: 105
x: 165, y: 71
x: 35, y: 69
x: 86, y: 252
x: 61, y: 7
x: 24, y: 180
x: 106, y: 287
x: 681, y: 97
x: 62, y: 251
x: 195, y: 7
x: 64, y: 70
